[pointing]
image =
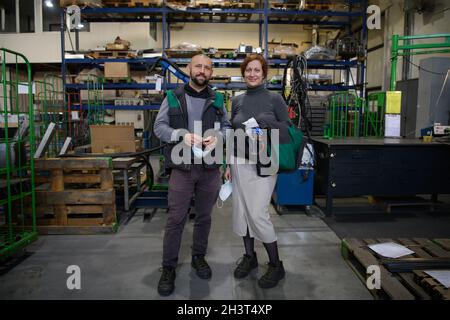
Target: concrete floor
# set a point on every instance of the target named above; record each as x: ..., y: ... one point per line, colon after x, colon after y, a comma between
x: 126, y: 265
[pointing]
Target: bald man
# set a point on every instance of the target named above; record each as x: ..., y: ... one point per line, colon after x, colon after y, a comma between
x: 183, y: 119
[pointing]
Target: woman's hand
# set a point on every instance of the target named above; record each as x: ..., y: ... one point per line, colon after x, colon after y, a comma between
x: 227, y: 173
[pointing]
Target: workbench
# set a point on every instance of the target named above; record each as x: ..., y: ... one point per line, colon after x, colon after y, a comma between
x: 380, y: 167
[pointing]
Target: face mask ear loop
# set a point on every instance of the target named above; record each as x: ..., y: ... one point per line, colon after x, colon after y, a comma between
x: 218, y: 201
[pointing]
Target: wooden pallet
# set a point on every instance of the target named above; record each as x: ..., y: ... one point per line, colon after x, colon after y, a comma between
x: 318, y: 7
x: 243, y: 5
x: 281, y: 56
x: 75, y: 195
x: 206, y: 4
x: 295, y: 6
x: 394, y: 285
x: 117, y: 80
x: 388, y: 203
x: 132, y: 3
x: 114, y: 54
x: 181, y: 54
x: 435, y: 289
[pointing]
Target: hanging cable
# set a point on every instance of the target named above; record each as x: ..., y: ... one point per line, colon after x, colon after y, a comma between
x: 423, y: 69
x: 297, y: 98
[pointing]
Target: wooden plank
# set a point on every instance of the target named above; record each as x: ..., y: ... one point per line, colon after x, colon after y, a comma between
x: 109, y: 214
x: 407, y: 242
x: 82, y: 178
x: 408, y: 280
x: 57, y: 185
x: 41, y: 179
x: 107, y: 181
x: 419, y: 252
x: 88, y: 163
x: 81, y: 196
x: 71, y: 209
x: 45, y: 222
x: 393, y: 288
x: 73, y: 163
x: 444, y: 243
x: 41, y: 210
x: 85, y: 222
x: 432, y: 286
x: 432, y: 248
x: 123, y: 163
x: 56, y: 180
x: 85, y: 209
x: 370, y: 241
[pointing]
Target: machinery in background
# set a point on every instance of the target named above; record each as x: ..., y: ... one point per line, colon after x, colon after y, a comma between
x: 437, y: 130
x: 343, y: 115
x: 296, y: 189
x: 347, y: 47
x: 422, y: 106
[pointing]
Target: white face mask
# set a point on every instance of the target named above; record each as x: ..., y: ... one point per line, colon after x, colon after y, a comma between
x: 225, y: 192
x: 199, y: 153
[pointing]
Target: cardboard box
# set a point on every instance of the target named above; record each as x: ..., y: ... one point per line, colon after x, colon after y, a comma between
x: 112, y: 137
x: 117, y: 70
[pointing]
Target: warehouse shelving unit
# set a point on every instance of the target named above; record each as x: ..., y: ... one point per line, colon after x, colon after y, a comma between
x: 265, y: 16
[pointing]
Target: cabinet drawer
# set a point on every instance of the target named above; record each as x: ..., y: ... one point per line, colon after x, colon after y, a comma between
x: 355, y: 170
x: 355, y: 155
x: 353, y: 186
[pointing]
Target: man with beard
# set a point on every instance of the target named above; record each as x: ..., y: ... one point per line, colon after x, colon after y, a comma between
x: 187, y: 105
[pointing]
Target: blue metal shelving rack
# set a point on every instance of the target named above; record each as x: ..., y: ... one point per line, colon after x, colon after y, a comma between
x: 266, y: 16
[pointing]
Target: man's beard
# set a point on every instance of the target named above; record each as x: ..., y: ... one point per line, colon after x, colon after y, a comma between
x: 200, y: 82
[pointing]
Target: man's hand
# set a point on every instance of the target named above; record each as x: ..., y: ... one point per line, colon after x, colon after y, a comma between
x: 210, y: 142
x: 191, y: 139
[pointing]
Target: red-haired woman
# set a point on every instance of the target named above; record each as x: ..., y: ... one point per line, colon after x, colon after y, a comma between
x: 251, y: 192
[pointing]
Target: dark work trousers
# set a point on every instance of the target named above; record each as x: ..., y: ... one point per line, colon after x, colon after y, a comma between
x: 204, y: 185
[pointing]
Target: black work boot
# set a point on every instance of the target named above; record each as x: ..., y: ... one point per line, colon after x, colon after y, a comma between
x: 201, y: 266
x: 247, y: 264
x: 274, y: 274
x: 166, y: 283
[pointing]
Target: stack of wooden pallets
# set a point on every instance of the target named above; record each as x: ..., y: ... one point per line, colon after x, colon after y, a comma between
x: 402, y: 278
x: 75, y: 196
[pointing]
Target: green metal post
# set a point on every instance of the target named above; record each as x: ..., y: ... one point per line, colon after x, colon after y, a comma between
x: 394, y: 60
